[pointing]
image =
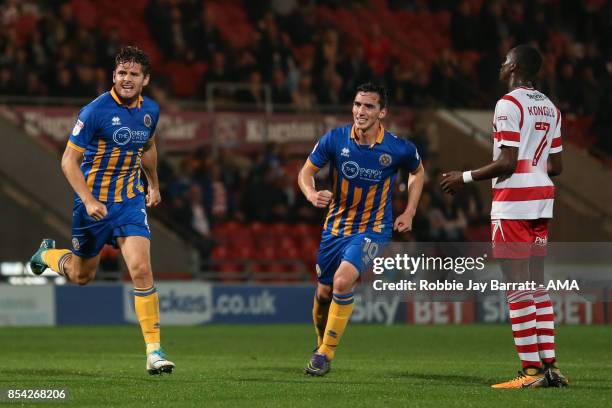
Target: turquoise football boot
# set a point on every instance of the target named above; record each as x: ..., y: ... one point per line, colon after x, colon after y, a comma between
x: 37, y: 265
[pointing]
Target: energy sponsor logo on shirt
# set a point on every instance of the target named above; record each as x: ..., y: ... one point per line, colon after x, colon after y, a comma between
x: 351, y: 170
x: 124, y: 135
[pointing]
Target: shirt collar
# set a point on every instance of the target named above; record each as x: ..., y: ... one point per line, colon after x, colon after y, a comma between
x: 116, y: 98
x: 379, y: 137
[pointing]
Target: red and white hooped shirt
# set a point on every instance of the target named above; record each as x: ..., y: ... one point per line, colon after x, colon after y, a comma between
x: 527, y: 119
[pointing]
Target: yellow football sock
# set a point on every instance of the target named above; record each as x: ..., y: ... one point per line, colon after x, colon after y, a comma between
x: 339, y: 315
x: 56, y: 258
x: 146, y: 304
x: 320, y: 311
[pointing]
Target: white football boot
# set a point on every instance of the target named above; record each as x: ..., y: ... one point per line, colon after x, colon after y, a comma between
x: 157, y: 363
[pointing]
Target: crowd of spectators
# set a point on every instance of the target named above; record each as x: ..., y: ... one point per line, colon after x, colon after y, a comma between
x: 202, y: 190
x: 46, y: 51
x: 308, y: 60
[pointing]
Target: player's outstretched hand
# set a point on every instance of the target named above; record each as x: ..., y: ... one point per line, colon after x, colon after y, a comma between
x: 452, y: 181
x: 320, y: 199
x: 403, y: 223
x: 153, y: 198
x: 96, y: 209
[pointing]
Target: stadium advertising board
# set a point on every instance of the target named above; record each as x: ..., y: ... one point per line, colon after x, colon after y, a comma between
x: 27, y: 305
x: 188, y: 129
x: 198, y: 303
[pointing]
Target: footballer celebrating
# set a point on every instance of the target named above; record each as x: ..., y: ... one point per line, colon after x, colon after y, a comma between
x: 112, y: 140
x: 364, y: 159
x: 526, y: 153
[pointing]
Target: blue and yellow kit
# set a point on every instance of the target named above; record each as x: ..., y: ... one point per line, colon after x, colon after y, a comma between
x: 111, y: 137
x: 359, y: 219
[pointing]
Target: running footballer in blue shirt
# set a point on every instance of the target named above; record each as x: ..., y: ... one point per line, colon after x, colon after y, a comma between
x: 112, y: 140
x: 364, y: 159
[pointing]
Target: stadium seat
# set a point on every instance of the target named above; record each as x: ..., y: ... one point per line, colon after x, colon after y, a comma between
x: 221, y: 252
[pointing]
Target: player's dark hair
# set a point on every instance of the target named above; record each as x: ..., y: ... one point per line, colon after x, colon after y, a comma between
x: 528, y: 61
x: 134, y: 55
x: 380, y: 89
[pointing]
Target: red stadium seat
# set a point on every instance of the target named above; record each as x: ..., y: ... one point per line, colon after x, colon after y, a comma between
x: 221, y: 252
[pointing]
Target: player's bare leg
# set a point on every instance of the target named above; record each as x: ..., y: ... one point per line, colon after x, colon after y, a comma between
x: 339, y: 314
x: 81, y: 270
x: 63, y: 262
x: 545, y: 325
x: 136, y: 253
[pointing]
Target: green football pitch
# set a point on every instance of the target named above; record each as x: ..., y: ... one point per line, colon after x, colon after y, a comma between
x: 261, y: 365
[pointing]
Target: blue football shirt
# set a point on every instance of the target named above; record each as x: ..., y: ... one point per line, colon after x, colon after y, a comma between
x: 363, y: 177
x: 111, y: 137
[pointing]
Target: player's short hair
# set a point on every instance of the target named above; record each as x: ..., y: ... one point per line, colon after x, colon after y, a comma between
x: 528, y: 60
x: 381, y: 90
x: 134, y: 55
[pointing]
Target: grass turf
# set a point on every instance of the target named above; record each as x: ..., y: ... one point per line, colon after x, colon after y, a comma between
x: 417, y: 366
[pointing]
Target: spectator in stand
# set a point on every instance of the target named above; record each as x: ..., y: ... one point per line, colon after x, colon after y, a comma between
x: 205, y: 37
x: 567, y: 88
x: 464, y: 27
x: 281, y: 94
x: 304, y: 99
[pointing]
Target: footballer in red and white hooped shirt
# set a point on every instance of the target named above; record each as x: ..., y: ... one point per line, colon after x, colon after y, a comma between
x: 526, y: 153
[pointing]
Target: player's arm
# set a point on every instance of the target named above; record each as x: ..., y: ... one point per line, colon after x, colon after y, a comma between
x: 306, y: 181
x: 504, y: 166
x: 149, y: 166
x: 416, y: 180
x: 555, y: 164
x: 71, y: 161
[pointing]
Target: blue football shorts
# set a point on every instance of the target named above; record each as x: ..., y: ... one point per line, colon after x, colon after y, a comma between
x: 358, y: 249
x: 124, y: 219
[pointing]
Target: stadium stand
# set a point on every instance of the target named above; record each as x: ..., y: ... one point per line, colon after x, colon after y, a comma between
x: 310, y: 55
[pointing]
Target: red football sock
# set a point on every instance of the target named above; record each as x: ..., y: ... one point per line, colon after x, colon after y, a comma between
x: 523, y: 318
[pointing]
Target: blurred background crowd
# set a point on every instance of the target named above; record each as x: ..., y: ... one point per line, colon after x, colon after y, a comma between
x: 312, y: 53
x: 309, y: 55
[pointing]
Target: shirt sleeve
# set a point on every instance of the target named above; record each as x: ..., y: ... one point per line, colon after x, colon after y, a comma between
x: 507, y: 123
x: 83, y: 130
x: 323, y: 151
x: 155, y: 119
x: 556, y: 146
x: 411, y: 158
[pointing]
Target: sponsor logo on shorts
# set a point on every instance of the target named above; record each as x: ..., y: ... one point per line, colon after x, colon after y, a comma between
x: 541, y: 241
x: 318, y: 268
x: 75, y: 243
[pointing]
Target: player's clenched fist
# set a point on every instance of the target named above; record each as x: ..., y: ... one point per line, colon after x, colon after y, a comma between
x: 96, y: 209
x: 153, y: 198
x: 320, y: 199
